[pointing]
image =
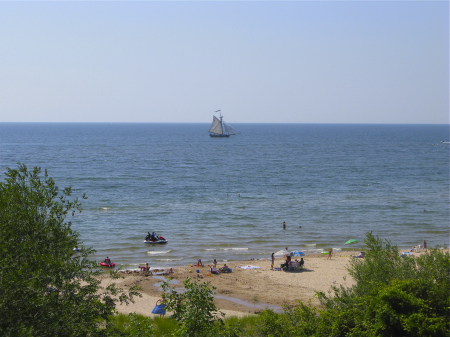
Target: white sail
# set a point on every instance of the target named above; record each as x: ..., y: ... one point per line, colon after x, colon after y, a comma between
x: 230, y: 129
x: 216, y: 126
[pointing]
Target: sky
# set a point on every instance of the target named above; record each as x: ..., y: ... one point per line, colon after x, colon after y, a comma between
x: 256, y: 61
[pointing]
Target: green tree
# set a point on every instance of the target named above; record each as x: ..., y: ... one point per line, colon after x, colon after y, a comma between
x: 393, y: 295
x: 194, y: 309
x: 45, y: 289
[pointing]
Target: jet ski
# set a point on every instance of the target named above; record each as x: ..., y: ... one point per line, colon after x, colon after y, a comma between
x: 107, y: 264
x: 156, y: 239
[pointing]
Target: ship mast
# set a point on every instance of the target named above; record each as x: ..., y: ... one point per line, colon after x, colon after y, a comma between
x: 220, y: 116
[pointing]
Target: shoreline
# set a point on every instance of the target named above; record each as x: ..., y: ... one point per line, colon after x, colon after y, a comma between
x: 164, y: 264
x: 248, y: 291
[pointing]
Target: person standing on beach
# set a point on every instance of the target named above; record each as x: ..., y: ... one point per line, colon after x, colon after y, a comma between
x: 424, y: 245
x: 284, y: 225
x: 330, y: 253
x: 272, y: 261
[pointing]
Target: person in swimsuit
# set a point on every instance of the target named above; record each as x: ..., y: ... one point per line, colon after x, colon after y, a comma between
x: 330, y: 253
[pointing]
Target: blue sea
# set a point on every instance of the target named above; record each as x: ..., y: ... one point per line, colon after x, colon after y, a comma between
x: 227, y: 198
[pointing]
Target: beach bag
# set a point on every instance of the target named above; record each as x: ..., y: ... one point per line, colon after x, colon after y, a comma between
x: 160, y: 308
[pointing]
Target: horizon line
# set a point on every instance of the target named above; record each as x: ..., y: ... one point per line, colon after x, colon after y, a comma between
x: 324, y: 123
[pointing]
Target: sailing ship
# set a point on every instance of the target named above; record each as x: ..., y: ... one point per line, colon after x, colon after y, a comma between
x: 221, y: 129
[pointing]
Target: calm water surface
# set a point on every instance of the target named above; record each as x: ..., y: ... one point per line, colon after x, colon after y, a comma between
x: 227, y: 198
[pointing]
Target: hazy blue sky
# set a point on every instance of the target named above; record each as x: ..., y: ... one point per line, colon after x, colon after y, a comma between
x: 275, y: 62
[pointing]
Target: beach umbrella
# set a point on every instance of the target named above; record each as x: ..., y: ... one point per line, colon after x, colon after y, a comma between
x: 281, y: 253
x: 297, y: 253
x: 351, y: 241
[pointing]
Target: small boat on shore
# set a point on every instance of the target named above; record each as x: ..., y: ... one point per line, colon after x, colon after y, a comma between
x: 221, y: 129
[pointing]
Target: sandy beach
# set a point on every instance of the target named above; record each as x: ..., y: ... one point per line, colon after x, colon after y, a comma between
x: 246, y: 291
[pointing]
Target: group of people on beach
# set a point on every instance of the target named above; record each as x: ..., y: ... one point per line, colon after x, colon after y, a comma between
x: 213, y: 267
x: 287, y: 261
x: 224, y: 269
x: 417, y: 248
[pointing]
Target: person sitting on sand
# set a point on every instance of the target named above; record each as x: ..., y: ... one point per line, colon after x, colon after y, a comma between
x: 287, y: 260
x: 224, y: 269
x: 199, y: 263
x: 302, y: 262
x: 214, y: 262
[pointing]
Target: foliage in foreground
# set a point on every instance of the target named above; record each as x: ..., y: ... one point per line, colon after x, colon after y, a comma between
x: 45, y: 289
x: 194, y: 310
x: 143, y: 326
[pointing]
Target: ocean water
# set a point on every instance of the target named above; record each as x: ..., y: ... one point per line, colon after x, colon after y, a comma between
x: 227, y: 198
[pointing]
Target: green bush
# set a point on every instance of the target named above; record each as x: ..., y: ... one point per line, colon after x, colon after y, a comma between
x: 193, y: 309
x: 393, y: 296
x: 45, y: 289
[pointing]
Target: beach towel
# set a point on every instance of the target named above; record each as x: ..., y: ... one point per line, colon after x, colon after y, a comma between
x: 248, y: 267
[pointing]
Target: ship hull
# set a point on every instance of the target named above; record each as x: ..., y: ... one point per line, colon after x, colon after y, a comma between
x: 219, y: 136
